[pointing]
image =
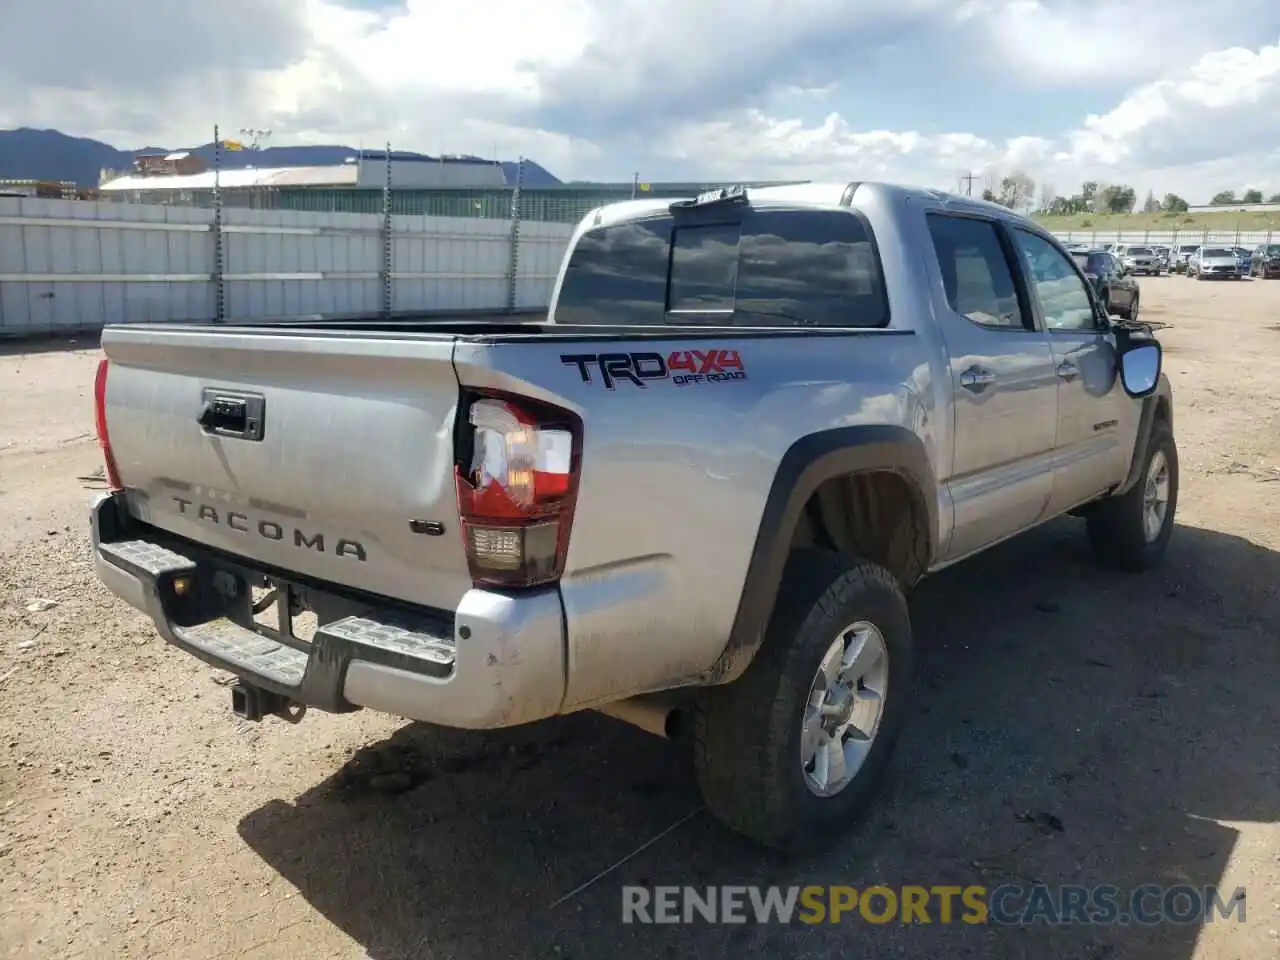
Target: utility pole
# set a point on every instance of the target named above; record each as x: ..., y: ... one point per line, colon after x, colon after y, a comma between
x: 967, y: 179
x: 219, y: 252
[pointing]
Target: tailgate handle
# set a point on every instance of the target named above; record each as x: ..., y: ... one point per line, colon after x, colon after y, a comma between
x: 232, y: 414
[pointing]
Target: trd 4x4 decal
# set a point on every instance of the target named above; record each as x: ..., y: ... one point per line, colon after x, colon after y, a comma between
x: 681, y: 367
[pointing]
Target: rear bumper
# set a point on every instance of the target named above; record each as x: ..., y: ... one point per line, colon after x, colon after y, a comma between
x: 498, y: 661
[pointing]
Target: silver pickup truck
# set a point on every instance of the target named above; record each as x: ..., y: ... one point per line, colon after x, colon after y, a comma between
x: 693, y: 498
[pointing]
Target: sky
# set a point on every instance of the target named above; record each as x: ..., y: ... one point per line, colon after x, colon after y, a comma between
x: 1167, y: 96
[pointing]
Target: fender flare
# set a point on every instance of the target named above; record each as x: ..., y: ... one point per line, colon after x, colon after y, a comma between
x: 1146, y: 420
x: 807, y: 464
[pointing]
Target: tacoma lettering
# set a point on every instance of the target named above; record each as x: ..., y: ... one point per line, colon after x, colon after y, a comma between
x: 269, y: 529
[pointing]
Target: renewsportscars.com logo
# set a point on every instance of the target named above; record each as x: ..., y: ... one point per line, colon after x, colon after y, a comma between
x: 1006, y: 905
x: 681, y: 367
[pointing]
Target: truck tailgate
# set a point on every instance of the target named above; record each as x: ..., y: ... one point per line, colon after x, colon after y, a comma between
x: 356, y: 442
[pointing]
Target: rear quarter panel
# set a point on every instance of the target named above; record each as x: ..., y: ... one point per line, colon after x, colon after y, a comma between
x: 675, y: 477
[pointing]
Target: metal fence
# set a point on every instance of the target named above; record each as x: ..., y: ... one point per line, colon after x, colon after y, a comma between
x: 1171, y: 238
x: 78, y: 265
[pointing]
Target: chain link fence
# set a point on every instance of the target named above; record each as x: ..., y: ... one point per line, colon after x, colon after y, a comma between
x: 1171, y: 238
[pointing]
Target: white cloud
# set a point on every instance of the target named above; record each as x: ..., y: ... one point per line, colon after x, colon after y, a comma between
x: 1215, y: 125
x: 1227, y: 102
x: 713, y: 88
x: 1100, y: 41
x: 752, y: 145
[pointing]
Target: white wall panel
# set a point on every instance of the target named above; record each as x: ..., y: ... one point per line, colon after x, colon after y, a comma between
x: 77, y: 265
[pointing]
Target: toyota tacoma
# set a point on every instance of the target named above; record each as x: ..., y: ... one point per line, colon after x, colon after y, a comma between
x: 693, y: 496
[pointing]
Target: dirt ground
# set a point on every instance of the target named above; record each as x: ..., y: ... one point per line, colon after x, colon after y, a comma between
x: 1073, y: 726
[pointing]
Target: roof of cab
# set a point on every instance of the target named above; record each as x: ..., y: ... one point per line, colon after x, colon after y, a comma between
x: 827, y: 193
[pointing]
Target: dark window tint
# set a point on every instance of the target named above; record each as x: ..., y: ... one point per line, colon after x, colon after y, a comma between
x: 975, y: 271
x: 778, y: 268
x: 1095, y: 263
x: 617, y: 275
x: 815, y: 268
x: 704, y: 270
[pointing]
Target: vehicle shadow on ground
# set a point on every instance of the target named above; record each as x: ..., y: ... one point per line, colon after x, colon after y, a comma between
x: 1072, y: 726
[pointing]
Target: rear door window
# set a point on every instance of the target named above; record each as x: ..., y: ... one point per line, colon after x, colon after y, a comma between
x: 975, y: 272
x: 813, y: 268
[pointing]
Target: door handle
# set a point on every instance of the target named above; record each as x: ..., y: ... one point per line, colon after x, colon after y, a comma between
x: 975, y: 379
x: 1068, y: 370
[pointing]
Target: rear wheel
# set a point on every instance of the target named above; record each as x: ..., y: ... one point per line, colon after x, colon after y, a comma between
x: 792, y: 751
x: 1132, y: 312
x: 1131, y: 532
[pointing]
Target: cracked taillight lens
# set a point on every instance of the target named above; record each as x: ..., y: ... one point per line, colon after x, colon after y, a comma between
x: 516, y: 491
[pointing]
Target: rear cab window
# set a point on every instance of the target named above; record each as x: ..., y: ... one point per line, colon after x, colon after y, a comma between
x: 763, y: 267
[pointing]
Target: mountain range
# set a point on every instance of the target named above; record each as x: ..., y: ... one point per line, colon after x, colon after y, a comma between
x: 51, y: 155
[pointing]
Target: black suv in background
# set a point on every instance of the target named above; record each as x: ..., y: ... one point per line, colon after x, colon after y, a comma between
x: 1114, y: 284
x: 1266, y: 261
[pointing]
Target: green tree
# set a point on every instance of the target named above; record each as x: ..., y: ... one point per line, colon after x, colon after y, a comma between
x: 1016, y: 190
x: 1116, y: 198
x: 1224, y: 197
x: 1174, y: 204
x: 1252, y: 196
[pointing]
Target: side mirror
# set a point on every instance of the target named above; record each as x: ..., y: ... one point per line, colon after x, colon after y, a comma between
x: 1140, y: 364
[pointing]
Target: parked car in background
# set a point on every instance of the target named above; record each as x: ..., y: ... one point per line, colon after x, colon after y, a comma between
x: 1164, y: 255
x: 1266, y: 261
x: 1139, y: 260
x: 1114, y: 285
x: 1214, y: 263
x: 1181, y: 256
x: 1246, y: 260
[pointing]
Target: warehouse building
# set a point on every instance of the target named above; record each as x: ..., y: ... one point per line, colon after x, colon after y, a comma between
x: 436, y: 186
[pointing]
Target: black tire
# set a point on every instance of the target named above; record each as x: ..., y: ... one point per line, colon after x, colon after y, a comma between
x: 747, y: 733
x: 1131, y: 312
x: 1115, y: 526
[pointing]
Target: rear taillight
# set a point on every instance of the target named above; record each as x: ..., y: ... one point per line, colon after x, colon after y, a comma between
x: 517, y: 481
x: 100, y: 418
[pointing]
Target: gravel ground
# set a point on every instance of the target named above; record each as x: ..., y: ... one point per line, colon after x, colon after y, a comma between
x: 1073, y: 727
